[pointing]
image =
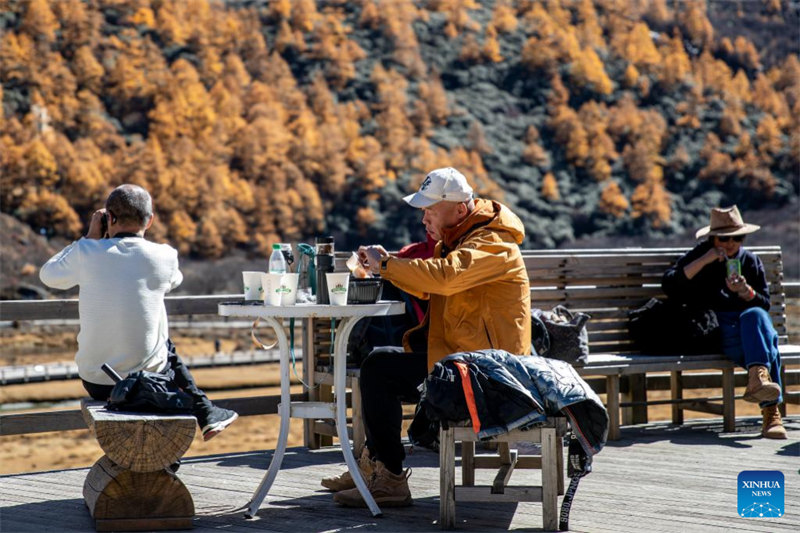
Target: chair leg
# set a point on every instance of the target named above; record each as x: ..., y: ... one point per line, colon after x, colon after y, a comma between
x: 447, y: 479
x: 676, y: 392
x: 728, y: 400
x: 612, y: 403
x: 782, y: 406
x: 467, y: 463
x: 549, y: 480
x: 359, y: 433
x: 560, y: 463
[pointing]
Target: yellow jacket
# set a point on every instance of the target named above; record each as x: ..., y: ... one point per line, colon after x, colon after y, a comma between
x: 476, y: 283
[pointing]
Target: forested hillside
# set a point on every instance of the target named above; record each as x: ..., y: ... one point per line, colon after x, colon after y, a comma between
x: 259, y: 121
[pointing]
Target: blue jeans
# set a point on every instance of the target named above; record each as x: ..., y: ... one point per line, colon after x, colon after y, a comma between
x: 748, y: 339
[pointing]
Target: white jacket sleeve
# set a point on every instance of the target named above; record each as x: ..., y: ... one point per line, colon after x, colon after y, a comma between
x: 61, y: 270
x: 177, y: 275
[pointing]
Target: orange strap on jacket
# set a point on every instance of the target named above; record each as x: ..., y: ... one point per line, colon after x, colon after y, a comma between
x: 469, y: 395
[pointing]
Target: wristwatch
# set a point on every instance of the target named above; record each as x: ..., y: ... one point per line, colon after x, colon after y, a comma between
x: 385, y: 260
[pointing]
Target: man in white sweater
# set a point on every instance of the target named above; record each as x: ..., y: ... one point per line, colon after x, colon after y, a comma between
x: 123, y: 321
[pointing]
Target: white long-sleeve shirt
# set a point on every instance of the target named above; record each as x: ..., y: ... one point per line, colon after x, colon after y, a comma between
x: 123, y: 320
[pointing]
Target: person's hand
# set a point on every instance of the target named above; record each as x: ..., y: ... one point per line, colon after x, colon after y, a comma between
x: 370, y: 257
x: 96, y: 229
x: 738, y: 284
x: 714, y: 254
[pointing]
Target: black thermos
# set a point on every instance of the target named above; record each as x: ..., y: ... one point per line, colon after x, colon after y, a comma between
x: 323, y: 260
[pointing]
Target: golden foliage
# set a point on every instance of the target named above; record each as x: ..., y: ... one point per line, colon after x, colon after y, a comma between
x: 43, y: 208
x: 195, y: 100
x: 587, y: 71
x: 631, y: 76
x: 550, y: 188
x: 503, y: 17
x: 676, y: 64
x: 612, y: 201
x: 636, y: 46
x: 768, y: 136
x: 652, y: 200
x: 694, y: 20
x: 746, y: 53
x: 491, y: 48
x: 534, y: 153
x: 717, y: 169
x: 39, y: 22
x: 470, y: 50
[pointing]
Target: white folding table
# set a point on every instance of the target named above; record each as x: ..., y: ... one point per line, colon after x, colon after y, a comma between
x: 349, y: 315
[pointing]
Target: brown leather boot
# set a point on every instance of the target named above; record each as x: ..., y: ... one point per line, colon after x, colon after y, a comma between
x: 759, y: 387
x: 772, y: 427
x: 389, y: 490
x: 345, y: 481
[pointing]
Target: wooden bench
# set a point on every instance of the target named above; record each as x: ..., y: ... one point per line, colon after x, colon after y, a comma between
x: 550, y: 435
x: 607, y: 284
x: 132, y: 488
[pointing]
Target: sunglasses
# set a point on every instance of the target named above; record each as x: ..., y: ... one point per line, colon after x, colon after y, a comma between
x: 737, y: 238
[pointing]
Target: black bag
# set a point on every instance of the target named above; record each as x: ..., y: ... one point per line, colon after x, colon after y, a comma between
x: 149, y: 392
x: 560, y: 334
x: 666, y: 327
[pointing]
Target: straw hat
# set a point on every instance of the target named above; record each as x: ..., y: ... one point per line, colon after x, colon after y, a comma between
x: 726, y: 221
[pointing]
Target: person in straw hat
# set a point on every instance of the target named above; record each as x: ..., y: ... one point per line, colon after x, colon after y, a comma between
x: 719, y: 274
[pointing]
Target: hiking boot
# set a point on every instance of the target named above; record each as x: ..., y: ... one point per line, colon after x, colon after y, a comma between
x: 388, y: 490
x: 772, y: 427
x: 759, y: 387
x: 345, y: 481
x: 215, y: 421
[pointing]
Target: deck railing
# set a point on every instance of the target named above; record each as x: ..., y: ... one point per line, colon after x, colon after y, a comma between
x: 71, y: 419
x: 192, y: 306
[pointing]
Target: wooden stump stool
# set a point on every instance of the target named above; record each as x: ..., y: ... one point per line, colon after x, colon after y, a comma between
x: 131, y: 488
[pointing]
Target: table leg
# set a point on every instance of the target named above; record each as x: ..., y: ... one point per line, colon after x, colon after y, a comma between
x: 339, y: 381
x: 284, y: 410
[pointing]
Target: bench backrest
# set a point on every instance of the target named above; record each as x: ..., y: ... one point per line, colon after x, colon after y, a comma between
x: 608, y: 283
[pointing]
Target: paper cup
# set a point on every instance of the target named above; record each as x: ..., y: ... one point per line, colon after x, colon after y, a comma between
x: 337, y: 287
x: 252, y: 285
x: 265, y: 287
x: 288, y: 288
x: 272, y: 288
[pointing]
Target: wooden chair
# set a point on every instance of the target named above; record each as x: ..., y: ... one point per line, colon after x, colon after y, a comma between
x: 551, y: 462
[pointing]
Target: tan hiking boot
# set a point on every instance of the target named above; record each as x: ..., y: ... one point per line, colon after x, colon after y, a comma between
x: 345, y: 481
x: 389, y: 490
x: 772, y: 427
x: 759, y: 387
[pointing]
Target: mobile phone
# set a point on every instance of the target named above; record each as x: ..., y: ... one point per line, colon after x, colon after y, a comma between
x: 104, y: 225
x: 733, y: 267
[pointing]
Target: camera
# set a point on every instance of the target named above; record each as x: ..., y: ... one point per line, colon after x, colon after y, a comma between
x: 104, y: 226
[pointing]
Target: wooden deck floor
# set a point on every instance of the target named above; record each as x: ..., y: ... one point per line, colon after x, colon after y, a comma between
x: 658, y: 478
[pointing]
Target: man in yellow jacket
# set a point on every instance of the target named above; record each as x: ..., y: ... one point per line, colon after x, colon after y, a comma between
x: 479, y: 297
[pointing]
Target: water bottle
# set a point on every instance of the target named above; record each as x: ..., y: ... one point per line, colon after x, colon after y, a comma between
x: 277, y: 263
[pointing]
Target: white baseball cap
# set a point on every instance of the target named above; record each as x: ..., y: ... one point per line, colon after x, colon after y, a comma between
x: 446, y: 184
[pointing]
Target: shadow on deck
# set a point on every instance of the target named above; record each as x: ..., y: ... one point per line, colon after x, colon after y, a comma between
x: 657, y: 478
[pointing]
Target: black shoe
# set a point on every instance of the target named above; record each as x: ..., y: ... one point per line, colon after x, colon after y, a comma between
x: 216, y: 420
